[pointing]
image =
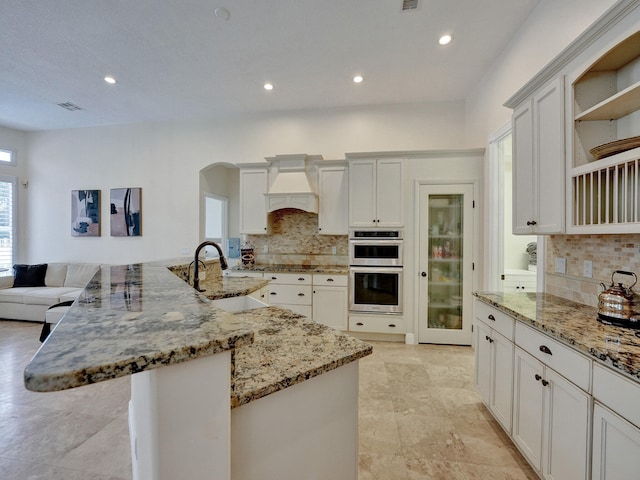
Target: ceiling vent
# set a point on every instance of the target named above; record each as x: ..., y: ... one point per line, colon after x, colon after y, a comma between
x: 72, y: 107
x: 410, y: 4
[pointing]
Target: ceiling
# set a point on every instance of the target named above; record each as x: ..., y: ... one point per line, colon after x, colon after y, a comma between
x: 178, y: 60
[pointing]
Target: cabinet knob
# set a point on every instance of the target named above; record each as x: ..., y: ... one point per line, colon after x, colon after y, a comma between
x: 545, y: 383
x: 545, y: 349
x: 538, y: 377
x: 491, y: 317
x: 531, y: 223
x: 424, y: 274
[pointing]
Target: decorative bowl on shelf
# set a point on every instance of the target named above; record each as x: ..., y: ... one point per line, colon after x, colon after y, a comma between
x: 618, y: 146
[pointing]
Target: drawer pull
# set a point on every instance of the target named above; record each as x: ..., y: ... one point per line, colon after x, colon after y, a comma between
x: 274, y: 278
x: 491, y: 317
x: 545, y: 349
x: 301, y: 294
x: 538, y: 377
x: 360, y: 324
x: 392, y: 325
x: 273, y: 293
x: 329, y: 279
x: 301, y: 279
x: 545, y: 383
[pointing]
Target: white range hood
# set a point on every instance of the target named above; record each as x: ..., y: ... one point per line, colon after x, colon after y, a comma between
x: 291, y: 187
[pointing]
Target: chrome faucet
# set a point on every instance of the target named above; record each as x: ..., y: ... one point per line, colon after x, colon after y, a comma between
x: 223, y: 262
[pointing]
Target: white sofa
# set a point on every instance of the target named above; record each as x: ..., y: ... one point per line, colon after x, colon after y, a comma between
x: 63, y: 282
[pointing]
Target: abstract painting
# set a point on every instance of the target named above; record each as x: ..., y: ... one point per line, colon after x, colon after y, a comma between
x: 125, y: 212
x: 85, y: 213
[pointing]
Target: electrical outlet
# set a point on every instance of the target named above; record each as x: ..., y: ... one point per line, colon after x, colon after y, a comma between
x: 334, y: 250
x: 588, y: 269
x: 265, y: 249
x: 185, y: 251
x: 561, y: 265
x: 202, y: 275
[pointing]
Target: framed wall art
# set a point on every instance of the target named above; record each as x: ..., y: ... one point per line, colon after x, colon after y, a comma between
x: 85, y: 213
x: 126, y: 212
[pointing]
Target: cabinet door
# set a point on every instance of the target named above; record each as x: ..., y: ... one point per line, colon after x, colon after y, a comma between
x: 330, y: 306
x: 523, y: 193
x: 549, y: 158
x: 566, y: 426
x: 502, y: 382
x: 362, y: 193
x: 528, y: 399
x: 333, y: 186
x: 389, y: 193
x: 483, y: 362
x: 616, y: 447
x: 253, y: 213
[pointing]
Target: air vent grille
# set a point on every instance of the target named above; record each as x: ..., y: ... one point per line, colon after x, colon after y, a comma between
x: 410, y: 4
x: 72, y: 107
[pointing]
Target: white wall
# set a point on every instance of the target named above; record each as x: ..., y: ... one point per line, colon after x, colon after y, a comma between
x: 166, y: 159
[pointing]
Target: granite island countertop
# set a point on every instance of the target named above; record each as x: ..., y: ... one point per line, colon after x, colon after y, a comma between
x: 133, y: 318
x: 574, y: 324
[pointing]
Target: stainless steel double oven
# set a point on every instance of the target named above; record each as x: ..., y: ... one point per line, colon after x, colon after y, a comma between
x: 375, y: 269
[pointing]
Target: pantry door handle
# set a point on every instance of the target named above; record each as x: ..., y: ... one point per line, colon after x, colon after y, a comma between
x: 545, y: 349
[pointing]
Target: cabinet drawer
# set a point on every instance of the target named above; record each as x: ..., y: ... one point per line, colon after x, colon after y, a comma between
x: 384, y: 324
x: 567, y: 362
x: 288, y: 278
x: 500, y: 322
x: 330, y: 280
x: 289, y: 294
x: 619, y: 393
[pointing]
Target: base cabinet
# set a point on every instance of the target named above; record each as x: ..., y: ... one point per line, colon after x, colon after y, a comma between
x: 616, y: 446
x: 330, y: 300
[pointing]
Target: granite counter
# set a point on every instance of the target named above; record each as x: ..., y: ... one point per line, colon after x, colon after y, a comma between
x: 574, y: 324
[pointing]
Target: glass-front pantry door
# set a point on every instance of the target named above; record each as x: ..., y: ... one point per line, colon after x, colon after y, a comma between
x: 446, y: 249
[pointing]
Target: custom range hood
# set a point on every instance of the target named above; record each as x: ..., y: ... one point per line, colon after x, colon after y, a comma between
x: 291, y: 186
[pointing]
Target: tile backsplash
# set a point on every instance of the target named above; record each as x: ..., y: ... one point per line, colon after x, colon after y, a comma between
x: 607, y: 252
x: 293, y: 238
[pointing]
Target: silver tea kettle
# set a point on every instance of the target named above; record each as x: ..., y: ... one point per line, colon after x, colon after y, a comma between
x: 619, y: 303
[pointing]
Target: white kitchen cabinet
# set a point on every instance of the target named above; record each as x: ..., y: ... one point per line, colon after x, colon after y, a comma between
x: 333, y: 191
x: 364, y: 323
x: 519, y: 281
x: 292, y: 291
x: 494, y: 362
x: 616, y: 446
x: 253, y: 186
x: 330, y: 300
x: 551, y: 418
x: 616, y: 418
x: 539, y: 162
x: 376, y: 192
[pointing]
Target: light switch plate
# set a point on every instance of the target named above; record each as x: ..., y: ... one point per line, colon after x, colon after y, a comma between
x: 561, y: 265
x: 588, y: 269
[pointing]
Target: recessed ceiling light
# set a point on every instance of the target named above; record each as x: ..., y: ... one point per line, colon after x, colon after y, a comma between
x: 268, y: 86
x: 358, y: 79
x: 445, y: 39
x: 110, y: 80
x: 222, y: 13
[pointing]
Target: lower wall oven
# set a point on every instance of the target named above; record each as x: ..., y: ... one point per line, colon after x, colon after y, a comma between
x: 375, y: 289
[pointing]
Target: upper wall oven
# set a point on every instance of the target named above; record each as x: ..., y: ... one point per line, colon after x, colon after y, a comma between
x: 375, y: 248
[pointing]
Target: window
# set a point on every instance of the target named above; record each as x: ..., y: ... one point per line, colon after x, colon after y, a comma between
x: 7, y: 157
x: 8, y: 203
x: 216, y: 221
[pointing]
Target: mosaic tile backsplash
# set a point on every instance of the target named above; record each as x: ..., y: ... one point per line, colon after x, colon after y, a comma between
x: 293, y: 238
x: 607, y: 252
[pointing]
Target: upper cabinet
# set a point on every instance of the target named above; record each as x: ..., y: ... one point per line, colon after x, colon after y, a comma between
x: 333, y: 192
x: 576, y: 133
x: 376, y: 187
x: 253, y: 186
x: 604, y: 167
x: 539, y: 162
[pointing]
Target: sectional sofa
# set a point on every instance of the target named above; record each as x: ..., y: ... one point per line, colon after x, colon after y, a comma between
x: 27, y: 296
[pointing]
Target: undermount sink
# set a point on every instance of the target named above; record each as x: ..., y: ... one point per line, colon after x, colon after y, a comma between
x: 238, y: 304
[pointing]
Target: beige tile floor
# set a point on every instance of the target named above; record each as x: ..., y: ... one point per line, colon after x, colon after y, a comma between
x: 419, y: 419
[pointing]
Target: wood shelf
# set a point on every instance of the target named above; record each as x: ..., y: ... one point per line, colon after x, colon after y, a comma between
x: 617, y: 106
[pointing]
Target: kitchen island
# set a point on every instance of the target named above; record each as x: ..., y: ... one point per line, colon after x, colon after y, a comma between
x: 282, y: 374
